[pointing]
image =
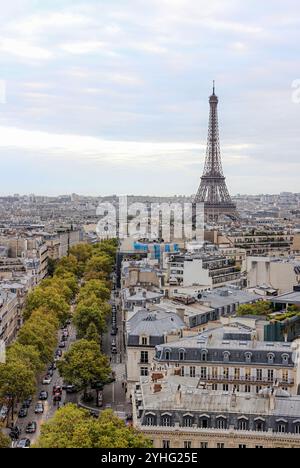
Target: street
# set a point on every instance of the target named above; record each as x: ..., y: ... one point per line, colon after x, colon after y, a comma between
x: 49, y: 406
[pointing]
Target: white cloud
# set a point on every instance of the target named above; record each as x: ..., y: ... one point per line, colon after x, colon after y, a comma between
x: 25, y: 50
x: 85, y: 47
x: 39, y: 23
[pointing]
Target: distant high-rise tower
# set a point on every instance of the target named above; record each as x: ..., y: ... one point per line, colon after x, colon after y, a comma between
x: 213, y: 191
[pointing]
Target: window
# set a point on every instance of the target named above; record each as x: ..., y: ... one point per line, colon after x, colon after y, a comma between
x: 242, y: 446
x: 203, y: 356
x: 144, y: 341
x: 166, y: 421
x: 258, y: 389
x: 181, y: 355
x: 226, y: 356
x: 144, y: 371
x: 203, y: 445
x: 248, y: 357
x: 237, y: 373
x: 150, y: 421
x: 247, y: 388
x: 214, y: 387
x: 187, y: 444
x: 285, y: 358
x: 259, y: 375
x: 187, y: 421
x: 167, y: 355
x: 270, y: 375
x: 225, y: 373
x: 243, y: 425
x: 220, y: 446
x: 285, y: 376
x: 225, y: 387
x: 260, y: 425
x: 281, y: 427
x: 297, y: 428
x: 192, y: 371
x: 203, y: 423
x: 165, y: 444
x: 271, y: 358
x: 203, y: 373
x: 214, y: 373
x: 182, y: 371
x: 144, y: 357
x: 221, y: 423
x: 259, y: 446
x: 248, y: 374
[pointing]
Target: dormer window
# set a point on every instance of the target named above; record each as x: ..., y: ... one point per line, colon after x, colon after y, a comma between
x: 271, y: 358
x: 285, y: 358
x: 226, y: 356
x: 203, y: 355
x: 167, y: 354
x: 248, y: 357
x: 144, y: 341
x: 181, y: 355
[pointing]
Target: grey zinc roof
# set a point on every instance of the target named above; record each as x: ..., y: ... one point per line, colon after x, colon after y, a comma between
x: 154, y: 323
x: 290, y: 298
x: 218, y: 298
x: 196, y: 399
x: 214, y: 339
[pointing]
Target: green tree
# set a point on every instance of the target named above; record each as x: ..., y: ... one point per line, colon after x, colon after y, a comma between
x: 5, y: 441
x: 84, y: 364
x: 40, y: 331
x: 28, y: 354
x: 92, y: 333
x: 17, y: 381
x: 48, y: 298
x: 88, y: 311
x: 259, y: 308
x: 82, y: 252
x: 68, y: 264
x: 96, y: 287
x: 72, y: 427
x: 100, y: 263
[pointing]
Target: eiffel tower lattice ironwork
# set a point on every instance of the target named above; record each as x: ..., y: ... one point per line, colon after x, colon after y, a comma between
x: 213, y: 191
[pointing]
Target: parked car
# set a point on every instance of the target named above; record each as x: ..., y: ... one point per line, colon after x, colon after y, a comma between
x: 31, y: 428
x: 71, y: 389
x: 114, y: 350
x: 47, y: 380
x: 43, y: 395
x: 39, y: 408
x: 62, y: 344
x: 114, y: 331
x: 27, y: 403
x: 23, y: 413
x: 23, y: 443
x: 15, y: 432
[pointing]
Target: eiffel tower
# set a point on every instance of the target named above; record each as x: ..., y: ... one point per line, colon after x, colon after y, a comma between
x: 213, y: 191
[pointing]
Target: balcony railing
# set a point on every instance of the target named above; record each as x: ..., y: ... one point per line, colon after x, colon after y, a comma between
x: 245, y: 380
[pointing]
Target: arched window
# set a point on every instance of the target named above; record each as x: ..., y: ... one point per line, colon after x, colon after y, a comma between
x: 181, y: 354
x: 166, y: 420
x: 204, y: 421
x: 260, y: 424
x: 243, y: 424
x: 271, y: 358
x: 281, y: 425
x: 296, y: 427
x: 226, y: 356
x: 221, y: 422
x: 188, y: 420
x: 285, y: 358
x: 204, y: 354
x: 248, y: 357
x: 167, y: 354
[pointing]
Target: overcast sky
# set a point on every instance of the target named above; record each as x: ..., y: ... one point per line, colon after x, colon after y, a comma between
x: 111, y: 96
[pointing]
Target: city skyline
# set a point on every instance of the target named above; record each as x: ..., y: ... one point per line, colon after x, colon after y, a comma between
x: 100, y: 99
